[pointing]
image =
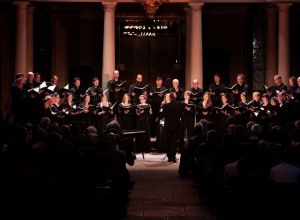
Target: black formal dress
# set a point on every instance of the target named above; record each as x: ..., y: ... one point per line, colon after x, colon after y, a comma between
x: 126, y: 116
x: 204, y: 112
x: 143, y: 112
x: 243, y: 114
x: 254, y: 111
x: 172, y: 114
x: 104, y: 115
x: 70, y: 111
x: 189, y: 113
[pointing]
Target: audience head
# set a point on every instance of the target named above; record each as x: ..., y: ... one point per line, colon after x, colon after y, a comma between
x: 65, y: 131
x: 113, y: 127
x: 91, y: 130
x: 297, y: 124
x: 45, y: 122
x: 109, y: 142
x: 249, y: 126
x: 198, y: 128
x: 256, y: 130
x: 212, y: 136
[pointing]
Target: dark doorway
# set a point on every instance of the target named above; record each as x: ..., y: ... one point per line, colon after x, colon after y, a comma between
x: 215, y: 61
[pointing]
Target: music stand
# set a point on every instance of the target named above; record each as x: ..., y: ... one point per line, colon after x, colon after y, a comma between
x: 134, y: 134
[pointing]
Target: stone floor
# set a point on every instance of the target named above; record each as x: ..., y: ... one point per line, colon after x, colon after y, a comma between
x: 159, y: 193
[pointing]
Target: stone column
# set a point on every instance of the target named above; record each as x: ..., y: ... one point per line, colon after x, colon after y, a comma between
x: 108, y: 64
x: 187, y: 47
x: 271, y: 55
x: 30, y: 12
x: 196, y: 68
x: 21, y: 38
x: 283, y: 41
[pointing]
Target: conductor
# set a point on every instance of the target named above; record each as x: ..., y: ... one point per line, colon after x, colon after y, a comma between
x: 172, y: 113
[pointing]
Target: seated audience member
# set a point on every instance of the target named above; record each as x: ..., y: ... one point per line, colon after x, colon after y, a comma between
x: 285, y: 172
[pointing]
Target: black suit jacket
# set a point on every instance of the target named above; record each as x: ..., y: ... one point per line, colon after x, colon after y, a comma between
x: 172, y: 112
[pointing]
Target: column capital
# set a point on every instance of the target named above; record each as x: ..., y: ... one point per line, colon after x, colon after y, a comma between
x: 284, y: 6
x: 196, y: 6
x: 21, y: 4
x: 109, y: 6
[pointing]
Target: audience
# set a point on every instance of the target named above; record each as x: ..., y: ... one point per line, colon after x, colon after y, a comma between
x: 51, y: 172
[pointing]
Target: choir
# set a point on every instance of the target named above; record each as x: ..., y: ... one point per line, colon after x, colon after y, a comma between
x: 141, y: 106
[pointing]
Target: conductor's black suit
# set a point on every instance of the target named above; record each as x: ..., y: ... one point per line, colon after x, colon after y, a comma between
x: 172, y: 113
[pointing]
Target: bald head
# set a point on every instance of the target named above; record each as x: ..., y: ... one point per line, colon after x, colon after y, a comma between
x: 139, y: 78
x: 195, y: 83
